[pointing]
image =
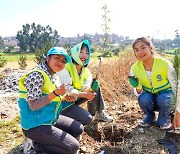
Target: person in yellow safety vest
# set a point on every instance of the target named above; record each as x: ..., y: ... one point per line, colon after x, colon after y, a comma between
x: 78, y: 76
x: 153, y: 80
x: 40, y: 97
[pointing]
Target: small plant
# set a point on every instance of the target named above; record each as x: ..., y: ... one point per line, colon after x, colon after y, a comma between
x: 22, y: 62
x: 177, y: 69
x: 106, y: 30
x: 3, y: 61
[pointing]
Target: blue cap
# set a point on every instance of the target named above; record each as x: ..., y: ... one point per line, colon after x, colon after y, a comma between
x: 59, y: 51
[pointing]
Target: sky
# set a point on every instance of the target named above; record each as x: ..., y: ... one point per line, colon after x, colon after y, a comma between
x: 133, y: 18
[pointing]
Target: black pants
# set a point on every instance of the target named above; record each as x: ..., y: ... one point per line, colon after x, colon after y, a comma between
x: 79, y: 114
x: 57, y: 139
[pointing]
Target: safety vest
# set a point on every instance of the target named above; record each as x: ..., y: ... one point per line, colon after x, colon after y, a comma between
x: 158, y: 75
x: 77, y: 81
x: 46, y: 115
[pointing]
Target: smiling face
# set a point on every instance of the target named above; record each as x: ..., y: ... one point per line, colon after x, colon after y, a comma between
x: 142, y: 50
x: 84, y: 54
x: 56, y: 62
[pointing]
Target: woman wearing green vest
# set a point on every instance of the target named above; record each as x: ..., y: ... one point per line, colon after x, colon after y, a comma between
x: 78, y: 75
x: 152, y: 78
x: 40, y: 97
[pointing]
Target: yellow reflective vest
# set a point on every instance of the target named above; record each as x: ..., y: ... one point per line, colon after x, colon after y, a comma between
x: 159, y: 79
x: 77, y: 81
x: 46, y: 115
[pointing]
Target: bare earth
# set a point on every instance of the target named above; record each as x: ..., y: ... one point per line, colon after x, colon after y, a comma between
x: 123, y: 135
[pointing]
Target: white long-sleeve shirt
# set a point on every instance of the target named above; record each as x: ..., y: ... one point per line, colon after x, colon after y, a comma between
x: 66, y: 78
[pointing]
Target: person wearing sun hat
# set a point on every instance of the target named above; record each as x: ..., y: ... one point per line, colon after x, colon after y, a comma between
x: 40, y: 97
x: 79, y: 77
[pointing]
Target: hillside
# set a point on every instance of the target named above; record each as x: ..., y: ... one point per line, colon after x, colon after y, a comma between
x: 122, y: 136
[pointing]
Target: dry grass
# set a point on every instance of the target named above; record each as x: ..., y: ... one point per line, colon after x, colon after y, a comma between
x: 113, y: 77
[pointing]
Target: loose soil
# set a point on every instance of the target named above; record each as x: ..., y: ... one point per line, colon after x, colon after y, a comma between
x: 123, y: 135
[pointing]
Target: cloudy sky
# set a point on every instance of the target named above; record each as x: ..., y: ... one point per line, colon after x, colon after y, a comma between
x: 134, y: 18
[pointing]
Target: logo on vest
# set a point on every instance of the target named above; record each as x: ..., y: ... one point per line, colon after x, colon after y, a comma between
x: 159, y: 77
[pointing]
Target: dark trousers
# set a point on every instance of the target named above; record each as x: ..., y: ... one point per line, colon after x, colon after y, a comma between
x: 57, y: 139
x: 79, y: 114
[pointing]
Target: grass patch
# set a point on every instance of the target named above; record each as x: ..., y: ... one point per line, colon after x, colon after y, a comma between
x: 15, y: 57
x: 11, y: 134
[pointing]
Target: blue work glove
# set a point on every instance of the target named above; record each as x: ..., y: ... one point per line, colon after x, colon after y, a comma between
x: 134, y: 82
x: 95, y: 85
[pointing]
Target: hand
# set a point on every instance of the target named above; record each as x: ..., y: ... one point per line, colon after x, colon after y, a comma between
x: 95, y: 85
x: 134, y: 82
x: 69, y: 98
x: 176, y: 120
x: 90, y: 95
x: 61, y: 90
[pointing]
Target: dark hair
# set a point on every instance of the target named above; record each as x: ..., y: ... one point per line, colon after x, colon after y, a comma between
x: 142, y: 39
x: 84, y: 45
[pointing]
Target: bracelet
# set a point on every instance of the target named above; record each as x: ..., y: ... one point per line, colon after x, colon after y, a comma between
x: 55, y: 93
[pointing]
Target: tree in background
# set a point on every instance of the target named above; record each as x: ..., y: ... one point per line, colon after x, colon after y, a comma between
x: 37, y: 39
x: 67, y: 46
x: 106, y: 30
x: 1, y: 43
x: 177, y: 39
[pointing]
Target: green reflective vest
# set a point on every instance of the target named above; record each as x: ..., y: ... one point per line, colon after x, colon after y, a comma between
x: 46, y: 115
x: 158, y: 75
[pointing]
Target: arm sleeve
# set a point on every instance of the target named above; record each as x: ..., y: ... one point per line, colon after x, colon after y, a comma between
x: 172, y: 77
x: 87, y: 83
x: 34, y: 83
x: 66, y: 79
x: 178, y: 101
x: 135, y: 92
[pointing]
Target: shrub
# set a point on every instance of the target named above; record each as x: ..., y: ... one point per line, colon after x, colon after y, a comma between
x: 3, y: 61
x: 22, y: 61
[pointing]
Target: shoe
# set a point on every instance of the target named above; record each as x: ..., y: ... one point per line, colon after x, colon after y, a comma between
x: 143, y: 124
x: 78, y: 152
x: 31, y: 152
x: 103, y: 116
x: 28, y: 146
x: 168, y: 125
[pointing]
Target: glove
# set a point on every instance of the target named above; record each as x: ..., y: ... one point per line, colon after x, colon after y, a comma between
x: 95, y: 85
x: 134, y: 82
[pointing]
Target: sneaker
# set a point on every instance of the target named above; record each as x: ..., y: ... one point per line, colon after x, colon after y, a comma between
x: 143, y: 124
x: 168, y: 125
x: 32, y: 152
x: 28, y: 146
x: 104, y: 117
